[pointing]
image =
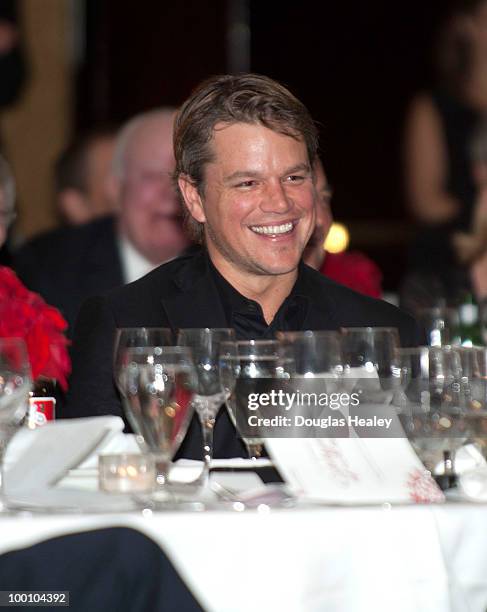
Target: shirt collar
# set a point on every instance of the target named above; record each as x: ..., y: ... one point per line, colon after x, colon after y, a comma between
x: 291, y: 313
x: 134, y: 265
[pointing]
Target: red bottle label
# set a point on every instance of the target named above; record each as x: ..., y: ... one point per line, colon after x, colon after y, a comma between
x: 41, y: 410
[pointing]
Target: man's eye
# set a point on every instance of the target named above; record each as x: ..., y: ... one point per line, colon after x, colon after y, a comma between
x: 246, y: 184
x: 295, y: 178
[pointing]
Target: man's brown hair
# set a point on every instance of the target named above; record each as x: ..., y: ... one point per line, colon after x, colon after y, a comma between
x: 228, y: 99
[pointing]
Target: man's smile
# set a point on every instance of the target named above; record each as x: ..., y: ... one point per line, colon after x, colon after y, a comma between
x: 273, y: 230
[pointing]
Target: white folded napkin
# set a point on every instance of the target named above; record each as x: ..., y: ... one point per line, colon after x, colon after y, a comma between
x: 46, y: 454
x: 473, y: 484
x: 63, y: 499
x: 471, y: 467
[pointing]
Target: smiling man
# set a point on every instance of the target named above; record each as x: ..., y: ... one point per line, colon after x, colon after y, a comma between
x: 244, y: 149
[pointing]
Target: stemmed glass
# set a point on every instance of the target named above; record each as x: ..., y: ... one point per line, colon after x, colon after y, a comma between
x: 318, y: 363
x: 433, y: 407
x: 15, y: 384
x: 442, y: 325
x: 136, y: 337
x: 251, y: 368
x: 158, y: 386
x: 316, y: 353
x: 474, y: 385
x: 205, y: 347
x: 370, y: 357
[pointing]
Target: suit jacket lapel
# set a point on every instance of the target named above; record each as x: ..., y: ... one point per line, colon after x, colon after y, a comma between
x: 322, y: 312
x: 195, y: 301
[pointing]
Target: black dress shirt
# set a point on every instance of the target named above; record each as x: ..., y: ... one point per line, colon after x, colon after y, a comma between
x: 245, y: 316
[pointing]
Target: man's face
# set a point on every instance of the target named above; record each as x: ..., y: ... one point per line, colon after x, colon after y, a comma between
x: 314, y: 252
x: 150, y: 214
x: 258, y: 200
x: 3, y: 215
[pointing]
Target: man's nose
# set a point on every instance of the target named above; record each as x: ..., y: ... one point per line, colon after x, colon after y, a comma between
x: 276, y: 199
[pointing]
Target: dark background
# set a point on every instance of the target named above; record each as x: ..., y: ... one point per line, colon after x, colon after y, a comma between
x: 355, y: 65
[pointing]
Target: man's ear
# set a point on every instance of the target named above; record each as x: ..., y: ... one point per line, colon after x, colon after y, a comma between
x: 192, y: 198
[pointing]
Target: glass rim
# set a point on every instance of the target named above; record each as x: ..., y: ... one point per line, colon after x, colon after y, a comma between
x: 447, y: 348
x: 368, y: 329
x: 206, y: 329
x: 162, y: 348
x: 309, y: 333
x: 257, y: 342
x: 143, y: 327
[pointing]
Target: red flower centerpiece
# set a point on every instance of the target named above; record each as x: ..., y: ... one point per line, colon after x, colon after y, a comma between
x: 24, y: 314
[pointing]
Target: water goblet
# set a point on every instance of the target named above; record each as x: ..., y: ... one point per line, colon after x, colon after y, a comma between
x: 250, y: 367
x: 442, y: 325
x: 433, y: 408
x: 474, y: 385
x: 205, y: 347
x: 135, y: 337
x: 318, y: 369
x: 370, y: 359
x: 159, y: 384
x: 15, y: 384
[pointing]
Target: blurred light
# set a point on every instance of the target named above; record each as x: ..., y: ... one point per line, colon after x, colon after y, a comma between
x: 337, y: 239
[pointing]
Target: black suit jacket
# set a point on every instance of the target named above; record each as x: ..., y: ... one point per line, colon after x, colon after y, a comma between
x: 70, y: 264
x: 182, y: 294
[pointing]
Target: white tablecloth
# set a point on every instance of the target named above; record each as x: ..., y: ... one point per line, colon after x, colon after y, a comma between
x: 421, y: 558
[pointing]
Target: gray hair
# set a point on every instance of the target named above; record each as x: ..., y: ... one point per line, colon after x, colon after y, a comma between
x: 7, y: 187
x: 128, y: 131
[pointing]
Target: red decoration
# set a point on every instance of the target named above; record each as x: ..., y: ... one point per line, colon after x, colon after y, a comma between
x: 354, y: 270
x: 422, y: 488
x: 24, y: 314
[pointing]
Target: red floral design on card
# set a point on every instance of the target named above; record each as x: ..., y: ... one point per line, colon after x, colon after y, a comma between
x: 422, y: 488
x: 338, y: 463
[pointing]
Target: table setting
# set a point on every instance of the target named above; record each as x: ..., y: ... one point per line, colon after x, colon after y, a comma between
x: 354, y: 516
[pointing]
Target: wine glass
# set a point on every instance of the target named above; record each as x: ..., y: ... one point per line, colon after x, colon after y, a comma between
x: 442, y: 325
x: 135, y: 337
x: 370, y: 360
x: 159, y: 384
x: 250, y: 367
x: 433, y: 406
x: 318, y: 368
x: 474, y: 385
x: 205, y: 347
x: 15, y: 384
x: 316, y: 353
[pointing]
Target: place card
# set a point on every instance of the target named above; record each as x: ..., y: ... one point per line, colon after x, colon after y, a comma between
x: 353, y: 470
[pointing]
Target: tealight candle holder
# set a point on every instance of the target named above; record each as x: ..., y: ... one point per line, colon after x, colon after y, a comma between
x: 126, y: 473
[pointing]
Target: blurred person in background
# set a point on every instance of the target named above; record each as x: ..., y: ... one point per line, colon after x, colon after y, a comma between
x: 440, y: 124
x: 7, y: 201
x: 352, y: 269
x: 471, y: 247
x: 448, y: 285
x: 70, y: 264
x: 12, y: 62
x: 81, y: 177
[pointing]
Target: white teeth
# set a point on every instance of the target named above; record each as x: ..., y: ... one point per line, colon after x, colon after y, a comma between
x: 272, y: 229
